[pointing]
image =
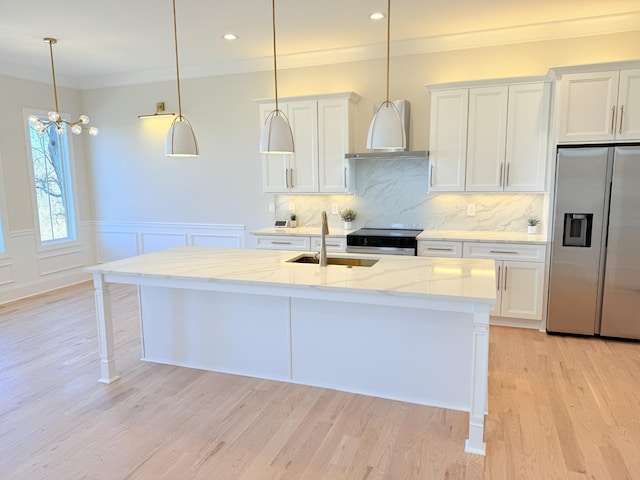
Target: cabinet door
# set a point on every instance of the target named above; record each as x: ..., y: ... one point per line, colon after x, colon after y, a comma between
x: 588, y: 106
x: 303, y: 172
x: 333, y: 143
x: 527, y: 133
x: 275, y: 167
x: 486, y: 139
x: 448, y: 140
x: 628, y: 121
x: 522, y: 285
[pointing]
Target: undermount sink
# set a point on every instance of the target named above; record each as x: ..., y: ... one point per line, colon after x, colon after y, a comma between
x: 345, y: 261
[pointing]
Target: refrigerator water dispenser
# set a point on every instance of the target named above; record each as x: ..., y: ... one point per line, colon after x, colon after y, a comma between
x: 577, y: 229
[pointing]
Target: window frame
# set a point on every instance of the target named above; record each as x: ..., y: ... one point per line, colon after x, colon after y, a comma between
x: 70, y: 187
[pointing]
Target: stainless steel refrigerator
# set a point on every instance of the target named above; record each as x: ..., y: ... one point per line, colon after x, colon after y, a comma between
x: 594, y: 286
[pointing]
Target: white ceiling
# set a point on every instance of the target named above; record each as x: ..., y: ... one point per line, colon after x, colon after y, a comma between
x: 103, y: 43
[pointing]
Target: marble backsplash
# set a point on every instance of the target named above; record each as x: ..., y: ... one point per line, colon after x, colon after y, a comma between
x: 394, y: 193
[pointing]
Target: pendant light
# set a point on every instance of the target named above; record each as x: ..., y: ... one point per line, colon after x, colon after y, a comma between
x: 181, y: 141
x: 54, y: 116
x: 276, y: 133
x: 386, y: 131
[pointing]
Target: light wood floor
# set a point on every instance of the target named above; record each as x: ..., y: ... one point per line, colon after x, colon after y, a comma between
x: 560, y: 408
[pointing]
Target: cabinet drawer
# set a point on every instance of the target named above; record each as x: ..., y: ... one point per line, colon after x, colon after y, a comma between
x: 334, y: 244
x: 284, y: 242
x: 432, y: 248
x: 505, y: 251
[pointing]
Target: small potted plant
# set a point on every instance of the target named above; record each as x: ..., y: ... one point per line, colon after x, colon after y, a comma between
x: 293, y: 221
x: 348, y: 215
x: 532, y: 225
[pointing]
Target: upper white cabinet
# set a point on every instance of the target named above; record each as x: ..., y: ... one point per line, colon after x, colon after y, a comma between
x: 322, y: 130
x: 490, y: 138
x: 600, y: 106
x: 448, y: 140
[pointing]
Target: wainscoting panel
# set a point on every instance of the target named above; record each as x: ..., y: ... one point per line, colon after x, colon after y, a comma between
x: 6, y: 274
x: 116, y: 240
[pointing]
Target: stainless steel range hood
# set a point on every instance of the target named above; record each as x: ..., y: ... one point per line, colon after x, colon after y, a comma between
x: 404, y: 108
x: 375, y: 155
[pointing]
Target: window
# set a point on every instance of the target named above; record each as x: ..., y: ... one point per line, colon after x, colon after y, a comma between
x: 50, y: 156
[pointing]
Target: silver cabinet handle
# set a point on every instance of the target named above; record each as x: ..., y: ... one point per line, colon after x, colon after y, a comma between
x: 332, y: 245
x: 503, y: 251
x: 291, y: 177
x: 498, y: 278
x: 345, y: 177
x: 286, y: 177
x: 621, y: 115
x: 613, y: 118
x: 508, y: 171
x: 280, y: 243
x: 501, y: 172
x: 506, y: 272
x: 441, y: 249
x: 431, y: 176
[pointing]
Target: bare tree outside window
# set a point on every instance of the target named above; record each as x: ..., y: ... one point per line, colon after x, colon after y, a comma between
x: 49, y: 153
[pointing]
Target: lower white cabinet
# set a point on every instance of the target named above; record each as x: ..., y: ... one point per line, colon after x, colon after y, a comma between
x: 334, y: 244
x: 304, y: 243
x: 519, y: 290
x: 520, y: 269
x: 284, y: 242
x: 434, y: 248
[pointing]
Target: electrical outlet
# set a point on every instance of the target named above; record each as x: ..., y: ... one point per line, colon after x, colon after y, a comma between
x: 471, y: 209
x: 335, y: 209
x: 291, y: 207
x: 272, y: 207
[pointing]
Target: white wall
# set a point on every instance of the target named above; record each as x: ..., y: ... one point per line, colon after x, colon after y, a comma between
x: 125, y: 184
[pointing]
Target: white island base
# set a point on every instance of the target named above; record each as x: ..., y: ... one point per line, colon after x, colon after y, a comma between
x: 425, y: 349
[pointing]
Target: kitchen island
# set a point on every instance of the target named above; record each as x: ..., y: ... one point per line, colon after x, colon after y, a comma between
x: 413, y: 329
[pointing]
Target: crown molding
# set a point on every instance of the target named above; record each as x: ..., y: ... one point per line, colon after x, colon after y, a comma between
x: 575, y: 28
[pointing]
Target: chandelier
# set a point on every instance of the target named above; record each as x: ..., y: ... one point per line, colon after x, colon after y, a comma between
x: 54, y: 118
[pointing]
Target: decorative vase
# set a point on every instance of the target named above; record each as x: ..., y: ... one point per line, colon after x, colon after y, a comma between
x: 532, y: 229
x: 348, y: 225
x: 293, y: 223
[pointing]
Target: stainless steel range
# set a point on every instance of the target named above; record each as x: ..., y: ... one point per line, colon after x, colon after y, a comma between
x: 391, y: 241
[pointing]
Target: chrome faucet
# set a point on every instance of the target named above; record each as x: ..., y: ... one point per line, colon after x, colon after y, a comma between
x: 324, y: 231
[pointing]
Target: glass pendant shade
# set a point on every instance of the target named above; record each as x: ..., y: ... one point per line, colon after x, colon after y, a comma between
x: 386, y: 131
x: 276, y: 134
x: 181, y: 141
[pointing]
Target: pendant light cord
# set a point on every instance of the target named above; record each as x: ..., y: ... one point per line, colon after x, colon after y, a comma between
x: 175, y: 38
x: 275, y: 65
x: 388, y: 43
x: 51, y: 41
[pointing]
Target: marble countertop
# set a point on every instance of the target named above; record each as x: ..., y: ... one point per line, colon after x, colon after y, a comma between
x: 308, y: 231
x: 458, y: 279
x: 481, y: 236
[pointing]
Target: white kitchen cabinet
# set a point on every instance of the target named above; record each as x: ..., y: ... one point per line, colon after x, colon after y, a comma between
x: 322, y: 130
x: 600, y: 106
x: 436, y: 248
x: 448, y: 140
x: 296, y: 173
x: 489, y: 138
x: 333, y: 244
x: 527, y: 137
x: 519, y: 277
x: 284, y: 242
x: 335, y: 138
x: 486, y: 139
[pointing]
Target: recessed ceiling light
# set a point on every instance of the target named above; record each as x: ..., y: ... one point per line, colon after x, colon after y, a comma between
x: 376, y: 16
x: 229, y: 36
